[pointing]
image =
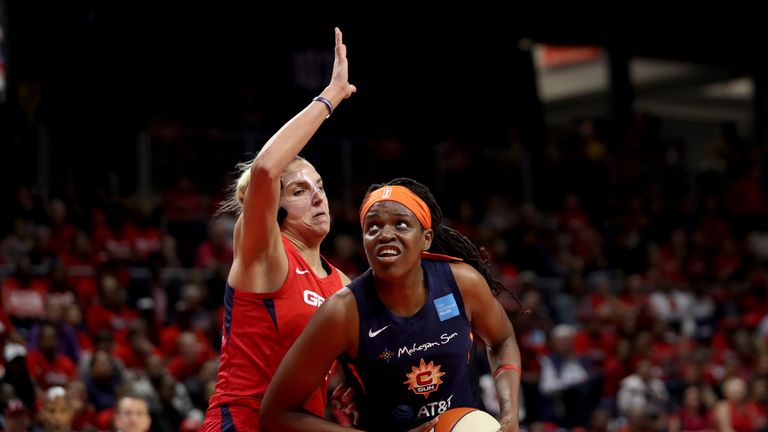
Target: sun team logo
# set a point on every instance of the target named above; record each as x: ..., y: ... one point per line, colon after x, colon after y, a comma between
x: 424, y: 379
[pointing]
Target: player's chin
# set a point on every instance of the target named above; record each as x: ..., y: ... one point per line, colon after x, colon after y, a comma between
x: 387, y: 270
x: 322, y: 229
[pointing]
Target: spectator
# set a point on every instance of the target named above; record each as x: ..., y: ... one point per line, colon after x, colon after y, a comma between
x: 137, y: 347
x: 85, y: 417
x: 564, y: 381
x: 16, y: 417
x: 216, y: 251
x: 132, y: 414
x: 169, y: 335
x: 694, y: 415
x: 103, y: 380
x: 643, y: 395
x: 172, y: 409
x: 7, y: 330
x: 42, y: 256
x: 56, y: 414
x: 112, y: 314
x: 62, y: 232
x: 68, y: 343
x: 24, y: 296
x: 190, y: 358
x: 759, y: 401
x: 18, y: 243
x: 149, y: 387
x: 47, y: 366
x: 73, y: 315
x: 733, y: 413
x: 17, y: 374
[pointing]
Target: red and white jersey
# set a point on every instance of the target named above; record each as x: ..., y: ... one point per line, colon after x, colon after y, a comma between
x: 258, y: 330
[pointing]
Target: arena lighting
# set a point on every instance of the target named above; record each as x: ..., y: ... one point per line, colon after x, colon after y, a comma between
x: 556, y: 56
x: 564, y: 72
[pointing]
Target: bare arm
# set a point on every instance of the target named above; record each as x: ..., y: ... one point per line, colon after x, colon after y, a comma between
x: 312, y: 354
x: 490, y: 322
x: 674, y: 424
x: 723, y: 417
x: 258, y: 245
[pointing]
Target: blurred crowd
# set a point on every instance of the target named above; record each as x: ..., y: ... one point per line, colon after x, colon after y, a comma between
x: 642, y: 274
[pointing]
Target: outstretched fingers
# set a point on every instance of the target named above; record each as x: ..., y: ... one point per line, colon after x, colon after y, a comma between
x: 340, y: 66
x: 341, y: 49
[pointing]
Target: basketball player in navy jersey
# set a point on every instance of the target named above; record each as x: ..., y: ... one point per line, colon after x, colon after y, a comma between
x: 404, y: 329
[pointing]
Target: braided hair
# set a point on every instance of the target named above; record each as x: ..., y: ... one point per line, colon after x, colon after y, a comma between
x: 446, y: 240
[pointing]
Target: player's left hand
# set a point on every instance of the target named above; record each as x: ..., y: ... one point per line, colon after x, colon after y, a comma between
x: 509, y: 424
x: 343, y: 407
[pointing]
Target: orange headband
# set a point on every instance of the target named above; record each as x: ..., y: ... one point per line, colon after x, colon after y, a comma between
x: 404, y: 196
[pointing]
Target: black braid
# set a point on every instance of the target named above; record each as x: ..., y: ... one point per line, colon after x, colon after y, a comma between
x: 446, y: 240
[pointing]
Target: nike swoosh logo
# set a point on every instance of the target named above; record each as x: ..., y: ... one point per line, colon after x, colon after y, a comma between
x: 301, y: 271
x: 372, y: 333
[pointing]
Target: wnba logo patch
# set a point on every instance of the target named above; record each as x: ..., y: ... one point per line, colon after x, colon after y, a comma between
x: 424, y: 379
x: 386, y: 193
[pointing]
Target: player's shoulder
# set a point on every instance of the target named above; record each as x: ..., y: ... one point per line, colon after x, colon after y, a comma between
x: 465, y: 273
x: 345, y: 280
x: 472, y: 285
x: 339, y: 312
x: 342, y: 298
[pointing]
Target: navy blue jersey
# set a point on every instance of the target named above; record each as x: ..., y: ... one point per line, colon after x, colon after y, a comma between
x: 409, y: 370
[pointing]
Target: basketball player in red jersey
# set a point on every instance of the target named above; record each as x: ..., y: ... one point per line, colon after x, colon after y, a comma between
x: 278, y: 278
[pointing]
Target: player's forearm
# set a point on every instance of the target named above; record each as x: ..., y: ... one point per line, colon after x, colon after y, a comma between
x: 504, y: 360
x: 287, y: 142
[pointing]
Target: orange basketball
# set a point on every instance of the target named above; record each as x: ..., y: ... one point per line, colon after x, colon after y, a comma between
x: 466, y: 420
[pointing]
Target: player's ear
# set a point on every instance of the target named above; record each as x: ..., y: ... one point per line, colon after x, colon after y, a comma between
x: 428, y: 235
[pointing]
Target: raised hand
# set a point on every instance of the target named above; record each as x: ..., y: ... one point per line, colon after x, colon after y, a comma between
x: 340, y: 74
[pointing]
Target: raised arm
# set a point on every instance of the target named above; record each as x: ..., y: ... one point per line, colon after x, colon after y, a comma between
x: 331, y: 331
x: 258, y: 245
x: 490, y: 322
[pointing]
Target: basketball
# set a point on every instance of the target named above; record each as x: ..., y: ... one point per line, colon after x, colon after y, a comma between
x: 466, y: 420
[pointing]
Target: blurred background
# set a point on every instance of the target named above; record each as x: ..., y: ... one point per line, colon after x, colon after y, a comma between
x: 609, y: 160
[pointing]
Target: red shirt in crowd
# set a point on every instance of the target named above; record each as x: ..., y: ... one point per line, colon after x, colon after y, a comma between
x: 47, y: 373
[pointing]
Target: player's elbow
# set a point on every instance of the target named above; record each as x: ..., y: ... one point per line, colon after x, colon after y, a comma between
x: 505, y: 347
x: 264, y: 172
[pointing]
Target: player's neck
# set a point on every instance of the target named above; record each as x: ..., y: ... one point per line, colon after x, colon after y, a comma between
x: 310, y: 253
x: 404, y: 296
